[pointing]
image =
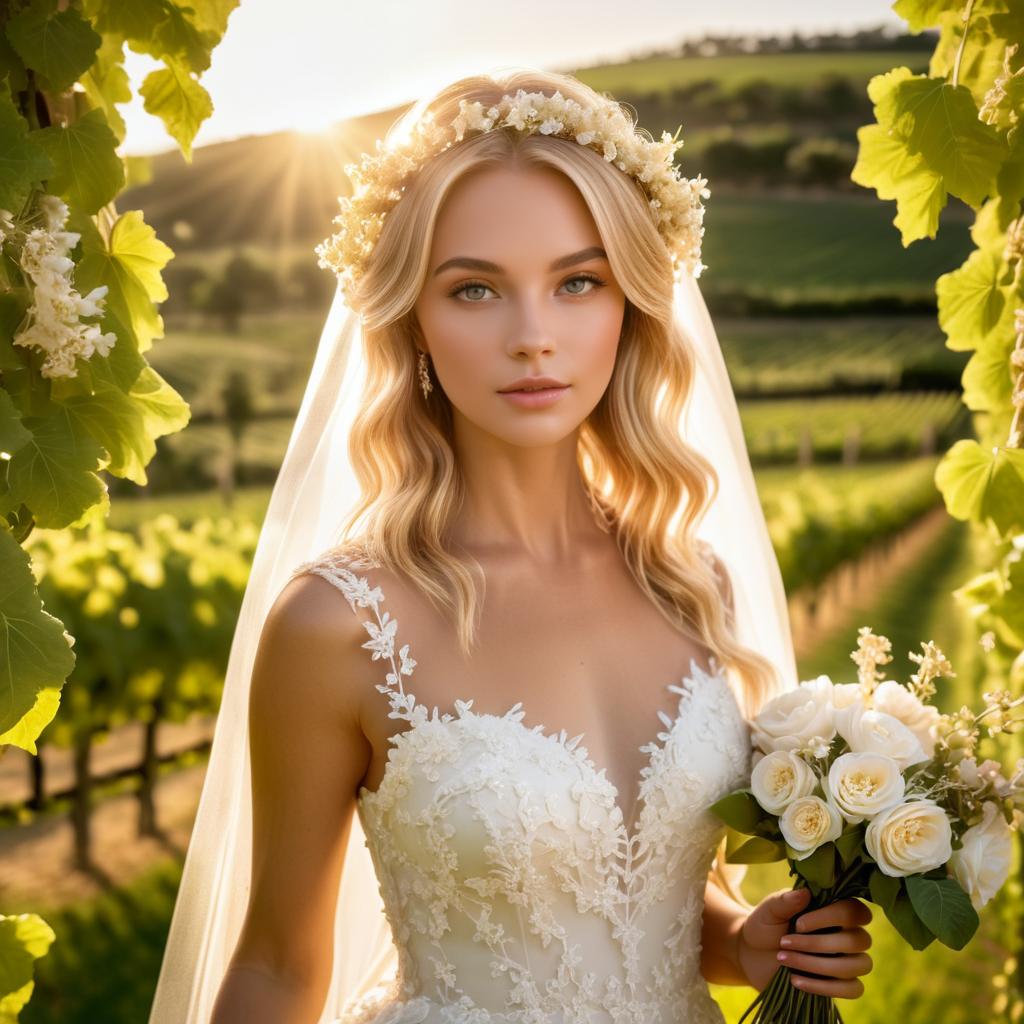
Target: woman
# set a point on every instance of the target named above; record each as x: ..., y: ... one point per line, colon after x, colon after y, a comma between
x: 541, y: 848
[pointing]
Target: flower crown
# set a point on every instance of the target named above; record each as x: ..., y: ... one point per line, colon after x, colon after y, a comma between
x: 379, y: 180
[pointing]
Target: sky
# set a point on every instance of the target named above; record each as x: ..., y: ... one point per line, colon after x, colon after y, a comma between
x: 334, y: 59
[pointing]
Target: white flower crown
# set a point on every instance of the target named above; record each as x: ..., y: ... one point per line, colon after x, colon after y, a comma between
x: 379, y: 179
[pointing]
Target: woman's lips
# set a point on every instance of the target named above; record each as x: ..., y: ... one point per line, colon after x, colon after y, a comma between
x: 535, y: 398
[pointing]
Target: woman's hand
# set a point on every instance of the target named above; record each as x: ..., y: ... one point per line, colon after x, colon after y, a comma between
x: 766, y: 933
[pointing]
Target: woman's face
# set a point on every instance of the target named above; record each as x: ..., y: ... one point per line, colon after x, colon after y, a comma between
x: 518, y: 286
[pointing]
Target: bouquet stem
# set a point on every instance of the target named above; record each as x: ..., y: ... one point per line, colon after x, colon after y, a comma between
x: 779, y: 1002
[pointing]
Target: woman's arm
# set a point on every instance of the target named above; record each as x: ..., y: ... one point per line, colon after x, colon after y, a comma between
x: 308, y: 756
x: 740, y: 946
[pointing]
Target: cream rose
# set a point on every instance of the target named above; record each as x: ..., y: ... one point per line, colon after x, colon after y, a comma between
x: 910, y: 838
x: 794, y: 718
x: 893, y: 698
x: 845, y: 694
x: 808, y: 822
x: 865, y: 784
x: 876, y: 732
x: 779, y: 778
x: 982, y: 864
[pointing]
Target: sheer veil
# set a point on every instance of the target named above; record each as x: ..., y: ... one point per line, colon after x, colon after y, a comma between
x: 315, y: 489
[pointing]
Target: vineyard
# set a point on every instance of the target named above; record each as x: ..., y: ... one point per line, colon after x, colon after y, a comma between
x: 876, y: 407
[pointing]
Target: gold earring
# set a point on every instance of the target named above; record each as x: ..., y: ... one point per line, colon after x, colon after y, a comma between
x: 424, y: 374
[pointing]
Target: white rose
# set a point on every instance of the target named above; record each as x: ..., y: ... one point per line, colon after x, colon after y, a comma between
x: 876, y: 732
x: 910, y: 838
x: 791, y: 720
x: 808, y: 822
x: 865, y: 784
x: 982, y: 865
x: 895, y: 699
x: 845, y: 694
x: 779, y: 778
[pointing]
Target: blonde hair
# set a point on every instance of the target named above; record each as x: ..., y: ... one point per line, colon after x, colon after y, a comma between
x: 635, y: 467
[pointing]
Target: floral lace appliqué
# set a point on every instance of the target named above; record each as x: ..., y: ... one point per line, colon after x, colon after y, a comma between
x: 515, y: 892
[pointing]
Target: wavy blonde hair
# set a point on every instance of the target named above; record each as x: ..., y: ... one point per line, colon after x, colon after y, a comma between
x: 635, y: 467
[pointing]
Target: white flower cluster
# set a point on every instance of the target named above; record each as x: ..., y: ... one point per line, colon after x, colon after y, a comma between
x: 830, y: 756
x: 54, y: 323
x: 379, y: 179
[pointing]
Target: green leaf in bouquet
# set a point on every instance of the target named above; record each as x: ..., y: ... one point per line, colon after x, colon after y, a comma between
x: 904, y: 919
x: 820, y: 867
x: 849, y: 845
x: 739, y: 810
x: 757, y: 850
x: 884, y: 889
x: 945, y: 909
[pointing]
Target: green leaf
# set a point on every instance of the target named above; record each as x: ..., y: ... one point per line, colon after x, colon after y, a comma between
x: 106, y: 83
x: 884, y: 888
x: 22, y: 161
x: 55, y: 472
x: 129, y: 263
x: 920, y: 14
x: 940, y: 122
x: 58, y: 45
x: 885, y: 164
x: 944, y: 908
x: 173, y: 95
x: 986, y: 380
x: 12, y: 434
x: 904, y: 919
x: 973, y: 300
x: 849, y: 844
x: 25, y: 733
x: 739, y: 810
x: 819, y: 867
x: 162, y: 28
x: 125, y: 417
x: 24, y: 938
x: 981, y: 484
x: 87, y: 170
x: 758, y: 850
x: 11, y: 66
x: 34, y: 652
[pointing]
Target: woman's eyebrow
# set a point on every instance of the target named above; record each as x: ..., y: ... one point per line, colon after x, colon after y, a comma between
x: 592, y: 252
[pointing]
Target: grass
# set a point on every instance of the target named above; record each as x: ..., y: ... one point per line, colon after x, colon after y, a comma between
x: 664, y: 74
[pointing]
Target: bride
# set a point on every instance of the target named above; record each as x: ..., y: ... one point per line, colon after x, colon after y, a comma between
x: 513, y: 605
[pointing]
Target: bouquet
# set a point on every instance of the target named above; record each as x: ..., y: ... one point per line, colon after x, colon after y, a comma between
x: 868, y: 791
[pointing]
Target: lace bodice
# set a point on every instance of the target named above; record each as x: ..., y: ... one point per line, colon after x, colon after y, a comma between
x: 515, y: 892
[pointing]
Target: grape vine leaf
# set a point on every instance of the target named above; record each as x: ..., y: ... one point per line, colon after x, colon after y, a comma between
x: 928, y: 143
x: 973, y: 301
x: 24, y: 938
x: 87, y: 170
x: 12, y: 434
x: 920, y: 14
x: 54, y: 473
x: 58, y: 45
x: 129, y: 263
x: 106, y: 83
x: 173, y: 95
x: 22, y: 161
x: 34, y: 651
x: 979, y: 485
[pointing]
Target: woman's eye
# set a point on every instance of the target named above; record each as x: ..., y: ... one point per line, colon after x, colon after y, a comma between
x: 467, y: 287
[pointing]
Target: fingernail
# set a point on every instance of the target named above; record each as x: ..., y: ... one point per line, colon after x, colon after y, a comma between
x: 783, y: 956
x: 785, y: 941
x: 795, y: 894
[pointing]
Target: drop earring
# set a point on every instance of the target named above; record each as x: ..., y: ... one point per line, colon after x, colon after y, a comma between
x: 424, y: 374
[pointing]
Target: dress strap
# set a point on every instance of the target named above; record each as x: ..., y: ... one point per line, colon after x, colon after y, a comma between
x: 343, y: 569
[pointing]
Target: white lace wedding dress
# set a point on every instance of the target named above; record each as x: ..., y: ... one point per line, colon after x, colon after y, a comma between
x: 515, y: 892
